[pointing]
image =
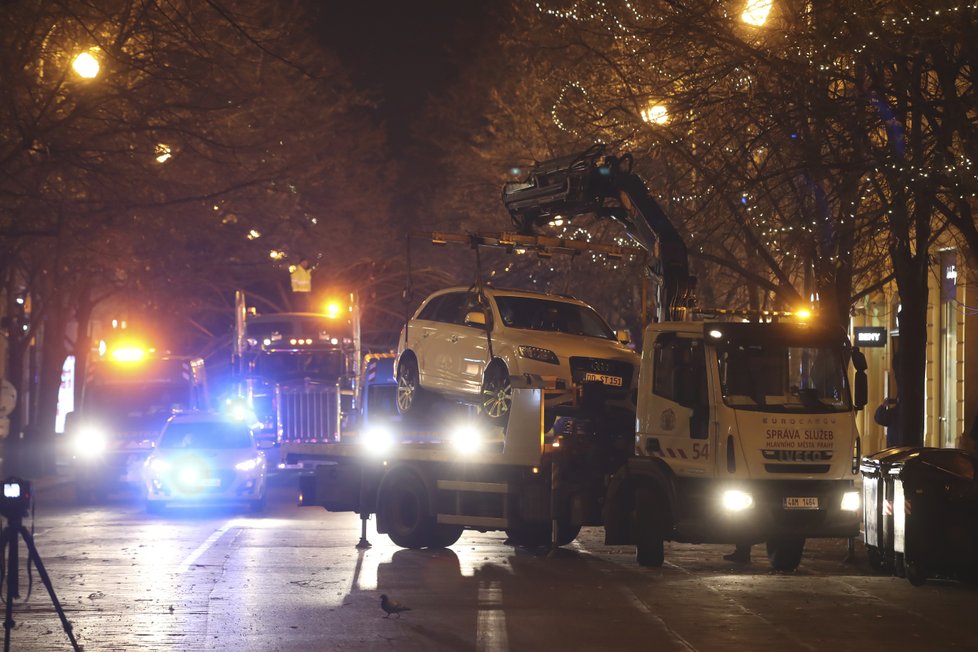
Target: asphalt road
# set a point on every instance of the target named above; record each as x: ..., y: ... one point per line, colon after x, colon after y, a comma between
x: 292, y: 579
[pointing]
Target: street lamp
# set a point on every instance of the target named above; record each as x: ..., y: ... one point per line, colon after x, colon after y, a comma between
x: 86, y: 65
x: 655, y: 114
x: 756, y: 12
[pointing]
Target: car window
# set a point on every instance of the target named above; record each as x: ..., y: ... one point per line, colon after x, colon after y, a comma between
x: 430, y: 310
x: 181, y: 436
x: 536, y: 314
x: 451, y: 309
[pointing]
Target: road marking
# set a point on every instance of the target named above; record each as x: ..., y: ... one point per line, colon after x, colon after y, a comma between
x: 491, y: 624
x: 202, y: 548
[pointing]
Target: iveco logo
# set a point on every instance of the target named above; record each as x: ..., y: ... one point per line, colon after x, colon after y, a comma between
x: 797, y: 456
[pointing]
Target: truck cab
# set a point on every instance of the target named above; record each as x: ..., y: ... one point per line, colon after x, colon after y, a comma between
x: 748, y: 429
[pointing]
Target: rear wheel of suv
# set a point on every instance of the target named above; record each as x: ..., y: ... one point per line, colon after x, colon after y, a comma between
x: 411, y: 398
x: 497, y: 394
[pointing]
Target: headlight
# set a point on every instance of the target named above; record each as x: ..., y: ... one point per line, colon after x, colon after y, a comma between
x: 735, y: 500
x: 538, y: 354
x: 850, y: 501
x: 466, y: 439
x: 247, y: 465
x: 90, y: 441
x: 377, y: 440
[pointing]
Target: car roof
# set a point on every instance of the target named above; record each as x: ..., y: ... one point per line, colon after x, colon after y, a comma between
x: 494, y: 291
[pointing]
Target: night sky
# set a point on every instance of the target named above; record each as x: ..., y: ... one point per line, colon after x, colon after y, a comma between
x: 405, y: 50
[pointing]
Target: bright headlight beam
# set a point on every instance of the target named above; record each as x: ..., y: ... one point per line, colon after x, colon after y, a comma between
x: 850, y: 501
x: 466, y: 439
x: 90, y: 441
x: 735, y: 500
x: 247, y: 465
x: 377, y: 440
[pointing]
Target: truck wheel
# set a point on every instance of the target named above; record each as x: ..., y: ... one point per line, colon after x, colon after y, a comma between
x: 784, y: 553
x: 497, y: 394
x: 647, y: 523
x: 405, y: 505
x: 445, y: 535
x: 537, y: 535
x: 411, y: 397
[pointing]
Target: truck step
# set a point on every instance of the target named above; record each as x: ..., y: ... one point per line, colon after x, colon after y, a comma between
x: 481, y: 487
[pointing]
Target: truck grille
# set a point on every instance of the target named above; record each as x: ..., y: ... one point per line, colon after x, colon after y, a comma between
x: 307, y: 413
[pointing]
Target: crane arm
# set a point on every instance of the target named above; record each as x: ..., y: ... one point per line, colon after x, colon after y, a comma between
x: 603, y: 185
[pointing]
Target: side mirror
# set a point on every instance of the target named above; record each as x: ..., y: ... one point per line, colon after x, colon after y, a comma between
x: 624, y: 336
x: 476, y: 319
x: 860, y: 389
x: 859, y: 360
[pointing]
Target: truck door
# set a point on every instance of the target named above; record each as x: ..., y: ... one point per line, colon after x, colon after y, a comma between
x: 676, y: 424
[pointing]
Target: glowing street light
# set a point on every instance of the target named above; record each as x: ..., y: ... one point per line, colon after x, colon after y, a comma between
x: 756, y: 12
x: 86, y: 65
x: 655, y: 114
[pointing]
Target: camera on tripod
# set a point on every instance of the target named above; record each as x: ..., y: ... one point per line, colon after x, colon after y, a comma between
x: 15, y: 502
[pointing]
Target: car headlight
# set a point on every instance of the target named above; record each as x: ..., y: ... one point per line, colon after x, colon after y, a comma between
x: 90, y: 441
x: 377, y: 440
x: 735, y: 500
x: 538, y: 354
x: 850, y: 501
x: 247, y: 465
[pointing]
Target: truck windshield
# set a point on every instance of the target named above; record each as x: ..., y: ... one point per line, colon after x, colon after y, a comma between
x: 137, y: 400
x: 779, y: 377
x: 553, y: 316
x: 285, y: 365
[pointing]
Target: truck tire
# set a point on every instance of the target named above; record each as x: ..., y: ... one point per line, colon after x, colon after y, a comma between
x: 405, y: 506
x: 496, y: 398
x: 647, y: 518
x: 412, y: 399
x: 445, y: 535
x: 537, y: 535
x: 784, y: 553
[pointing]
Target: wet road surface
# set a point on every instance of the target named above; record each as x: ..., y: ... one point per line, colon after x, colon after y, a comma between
x: 292, y: 579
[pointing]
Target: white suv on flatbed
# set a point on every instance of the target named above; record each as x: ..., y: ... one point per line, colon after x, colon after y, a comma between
x: 464, y: 345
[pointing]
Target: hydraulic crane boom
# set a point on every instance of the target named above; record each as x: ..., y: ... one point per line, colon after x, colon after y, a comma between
x: 605, y: 186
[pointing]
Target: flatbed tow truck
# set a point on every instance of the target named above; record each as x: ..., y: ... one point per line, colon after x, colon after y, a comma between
x: 744, y: 430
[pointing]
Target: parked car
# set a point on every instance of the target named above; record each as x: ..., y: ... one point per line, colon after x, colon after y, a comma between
x: 205, y: 458
x: 464, y: 344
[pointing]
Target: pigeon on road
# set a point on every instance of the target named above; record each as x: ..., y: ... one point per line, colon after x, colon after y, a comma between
x: 392, y: 606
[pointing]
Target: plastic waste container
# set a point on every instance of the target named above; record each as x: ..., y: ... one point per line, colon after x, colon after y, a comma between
x: 877, y: 504
x: 935, y: 514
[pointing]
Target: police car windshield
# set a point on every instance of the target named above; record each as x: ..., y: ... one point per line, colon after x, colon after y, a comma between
x: 552, y: 316
x: 777, y: 377
x: 213, y: 434
x: 137, y: 400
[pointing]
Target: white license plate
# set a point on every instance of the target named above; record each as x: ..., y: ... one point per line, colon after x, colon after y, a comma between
x: 801, y: 502
x: 614, y: 381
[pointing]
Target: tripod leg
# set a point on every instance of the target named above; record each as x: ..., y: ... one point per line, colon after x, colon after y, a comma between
x: 32, y: 551
x: 8, y: 543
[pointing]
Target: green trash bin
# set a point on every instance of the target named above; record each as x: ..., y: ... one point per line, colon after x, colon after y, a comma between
x: 935, y: 514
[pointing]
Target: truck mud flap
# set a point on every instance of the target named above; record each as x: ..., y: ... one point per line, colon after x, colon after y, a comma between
x: 336, y: 487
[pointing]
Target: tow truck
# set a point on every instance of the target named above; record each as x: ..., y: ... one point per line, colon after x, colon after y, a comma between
x: 129, y: 393
x: 744, y: 430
